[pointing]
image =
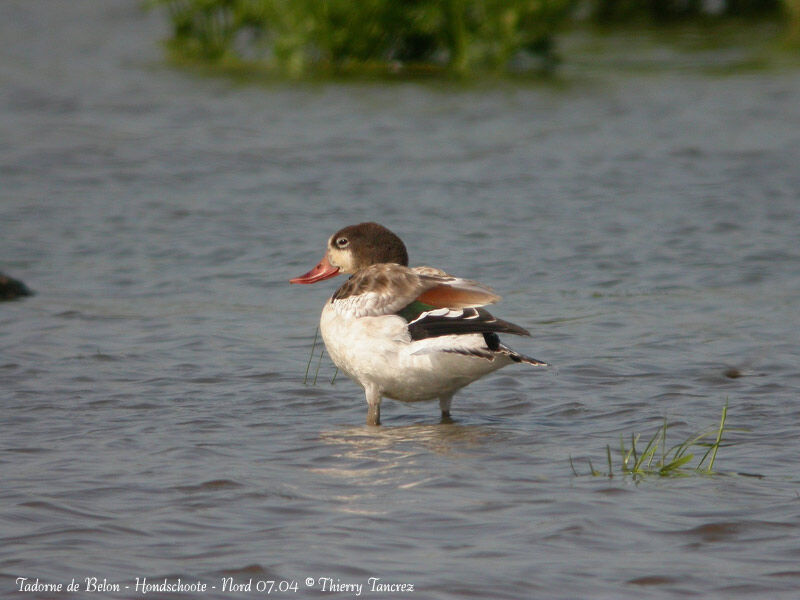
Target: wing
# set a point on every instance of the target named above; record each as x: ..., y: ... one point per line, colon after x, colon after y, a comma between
x: 444, y: 321
x: 453, y: 331
x: 445, y: 291
x: 385, y: 289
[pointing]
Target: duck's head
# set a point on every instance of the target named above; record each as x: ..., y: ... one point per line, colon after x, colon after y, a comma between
x: 354, y: 248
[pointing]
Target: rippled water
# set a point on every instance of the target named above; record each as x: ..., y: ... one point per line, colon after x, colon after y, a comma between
x: 154, y: 419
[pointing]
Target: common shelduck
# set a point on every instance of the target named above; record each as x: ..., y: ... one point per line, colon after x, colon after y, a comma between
x: 406, y: 333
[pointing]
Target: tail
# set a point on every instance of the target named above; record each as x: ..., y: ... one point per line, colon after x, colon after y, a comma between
x: 521, y: 358
x: 495, y: 345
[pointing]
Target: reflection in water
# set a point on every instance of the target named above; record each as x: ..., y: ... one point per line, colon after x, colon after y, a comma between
x: 374, y: 460
x: 442, y: 438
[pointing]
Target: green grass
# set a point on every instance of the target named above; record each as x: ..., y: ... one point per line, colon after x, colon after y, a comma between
x: 658, y: 459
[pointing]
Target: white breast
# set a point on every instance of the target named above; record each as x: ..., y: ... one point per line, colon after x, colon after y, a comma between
x: 379, y: 350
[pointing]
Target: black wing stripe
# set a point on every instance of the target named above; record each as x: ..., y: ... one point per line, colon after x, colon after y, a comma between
x: 470, y: 320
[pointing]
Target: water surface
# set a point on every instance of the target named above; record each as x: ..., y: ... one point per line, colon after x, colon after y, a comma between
x: 154, y: 419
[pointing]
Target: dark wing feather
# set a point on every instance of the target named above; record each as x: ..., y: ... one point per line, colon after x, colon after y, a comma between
x: 441, y: 322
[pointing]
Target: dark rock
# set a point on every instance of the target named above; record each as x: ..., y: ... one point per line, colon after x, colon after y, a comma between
x: 11, y: 288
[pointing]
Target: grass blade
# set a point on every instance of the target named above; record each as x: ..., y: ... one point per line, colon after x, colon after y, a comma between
x: 319, y: 362
x: 638, y: 462
x: 311, y: 356
x: 715, y: 447
x: 572, y: 466
x: 675, y: 464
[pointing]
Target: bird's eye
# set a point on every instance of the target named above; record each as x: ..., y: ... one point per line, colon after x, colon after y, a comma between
x: 342, y: 242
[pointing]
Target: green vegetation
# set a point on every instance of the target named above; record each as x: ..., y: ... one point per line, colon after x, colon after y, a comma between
x: 297, y: 38
x: 792, y: 13
x: 670, y: 11
x: 669, y: 462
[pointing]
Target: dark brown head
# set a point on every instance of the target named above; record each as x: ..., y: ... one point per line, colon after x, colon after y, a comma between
x: 354, y: 248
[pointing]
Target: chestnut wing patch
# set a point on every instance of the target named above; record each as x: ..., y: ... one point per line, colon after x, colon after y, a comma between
x: 456, y: 293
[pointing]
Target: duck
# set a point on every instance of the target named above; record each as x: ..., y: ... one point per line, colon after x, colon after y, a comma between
x: 406, y: 333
